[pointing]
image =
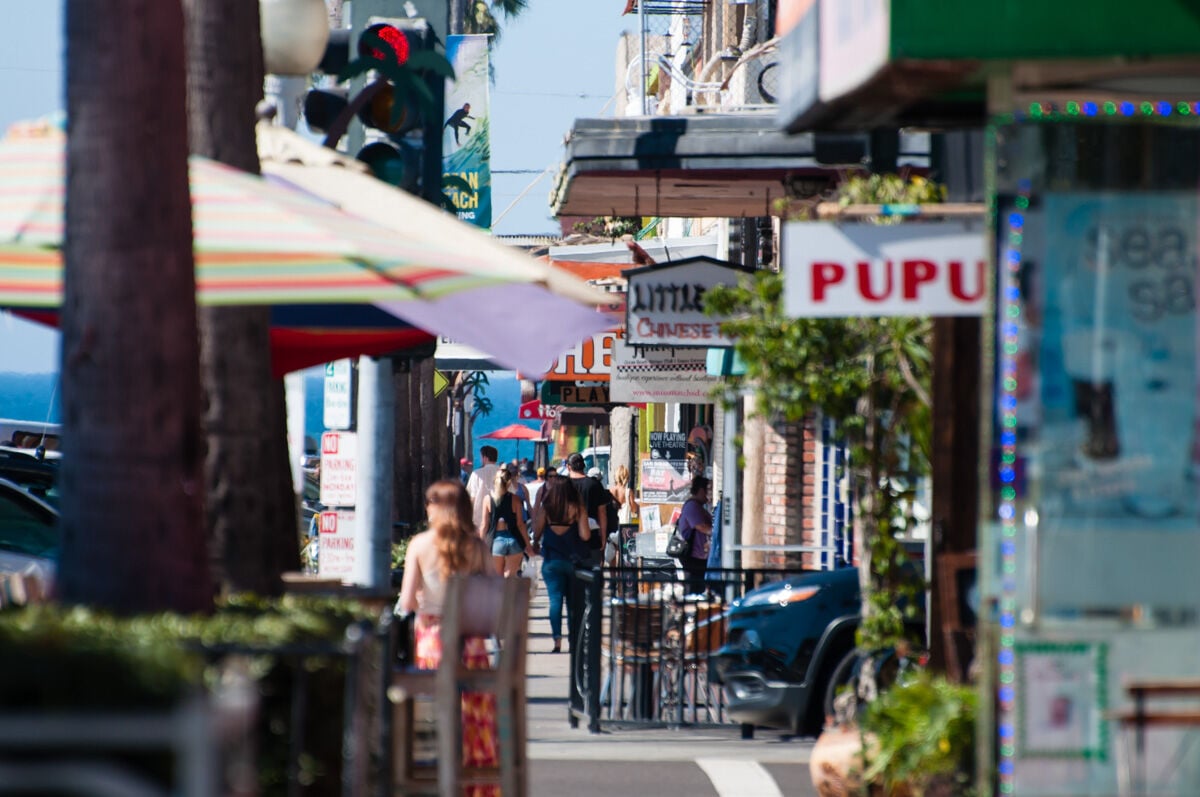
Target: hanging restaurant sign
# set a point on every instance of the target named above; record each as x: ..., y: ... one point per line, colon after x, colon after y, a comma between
x: 664, y: 303
x: 567, y: 394
x: 913, y: 269
x: 588, y: 360
x: 661, y: 374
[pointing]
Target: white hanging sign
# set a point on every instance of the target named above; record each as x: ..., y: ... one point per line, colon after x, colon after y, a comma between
x: 339, y: 468
x: 914, y: 269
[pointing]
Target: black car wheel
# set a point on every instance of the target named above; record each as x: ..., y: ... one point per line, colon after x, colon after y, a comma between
x: 812, y: 721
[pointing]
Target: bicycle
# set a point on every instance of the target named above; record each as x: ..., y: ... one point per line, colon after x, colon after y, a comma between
x: 848, y: 690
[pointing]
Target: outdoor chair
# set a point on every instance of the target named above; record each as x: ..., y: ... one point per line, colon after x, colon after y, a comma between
x: 475, y: 606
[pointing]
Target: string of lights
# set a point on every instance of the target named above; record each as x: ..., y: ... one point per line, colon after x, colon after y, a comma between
x: 1009, y: 327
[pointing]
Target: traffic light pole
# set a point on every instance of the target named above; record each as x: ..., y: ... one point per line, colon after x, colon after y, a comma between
x: 341, y: 124
x: 383, y: 456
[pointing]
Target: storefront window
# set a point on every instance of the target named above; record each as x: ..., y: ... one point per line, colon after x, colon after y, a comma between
x: 1104, y: 470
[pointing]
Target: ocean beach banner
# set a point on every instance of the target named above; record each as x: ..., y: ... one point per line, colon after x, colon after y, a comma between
x: 466, y: 144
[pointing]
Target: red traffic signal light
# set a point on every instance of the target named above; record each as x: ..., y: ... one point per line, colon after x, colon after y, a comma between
x: 384, y: 44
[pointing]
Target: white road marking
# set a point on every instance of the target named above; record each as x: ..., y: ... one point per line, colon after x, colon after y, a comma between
x: 733, y: 777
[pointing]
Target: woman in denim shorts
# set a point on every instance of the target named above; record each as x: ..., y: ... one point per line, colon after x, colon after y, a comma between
x: 504, y: 524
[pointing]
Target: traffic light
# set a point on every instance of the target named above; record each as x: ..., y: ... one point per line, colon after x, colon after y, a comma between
x: 400, y: 108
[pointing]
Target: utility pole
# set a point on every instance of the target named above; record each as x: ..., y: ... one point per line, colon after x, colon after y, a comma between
x: 957, y: 373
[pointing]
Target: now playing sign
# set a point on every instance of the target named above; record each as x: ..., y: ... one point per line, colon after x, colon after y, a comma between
x: 913, y: 269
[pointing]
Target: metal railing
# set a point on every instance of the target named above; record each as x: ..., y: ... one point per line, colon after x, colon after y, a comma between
x: 640, y: 647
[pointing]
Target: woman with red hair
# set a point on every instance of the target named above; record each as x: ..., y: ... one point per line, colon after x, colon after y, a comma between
x: 451, y: 547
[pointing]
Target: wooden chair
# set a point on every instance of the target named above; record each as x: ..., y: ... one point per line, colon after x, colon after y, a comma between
x: 475, y: 606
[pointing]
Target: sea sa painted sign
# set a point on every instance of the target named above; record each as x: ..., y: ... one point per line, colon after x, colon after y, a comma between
x: 868, y: 270
x: 664, y: 303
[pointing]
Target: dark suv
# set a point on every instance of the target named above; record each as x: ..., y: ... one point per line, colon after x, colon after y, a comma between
x: 784, y: 641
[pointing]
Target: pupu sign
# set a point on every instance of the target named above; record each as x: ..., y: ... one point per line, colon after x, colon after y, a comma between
x: 915, y: 269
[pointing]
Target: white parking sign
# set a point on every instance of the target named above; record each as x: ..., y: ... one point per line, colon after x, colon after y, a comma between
x: 339, y: 459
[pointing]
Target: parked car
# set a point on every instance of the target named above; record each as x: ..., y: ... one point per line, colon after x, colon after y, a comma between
x: 36, y: 474
x: 784, y: 641
x: 593, y: 457
x: 29, y: 533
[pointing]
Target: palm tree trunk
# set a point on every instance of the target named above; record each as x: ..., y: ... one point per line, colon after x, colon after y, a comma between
x: 251, y: 505
x: 133, y: 492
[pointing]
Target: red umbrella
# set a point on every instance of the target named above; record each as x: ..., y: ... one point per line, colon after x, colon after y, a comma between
x: 514, y: 431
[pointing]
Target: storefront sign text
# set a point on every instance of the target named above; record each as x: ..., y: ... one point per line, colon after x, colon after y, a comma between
x: 661, y: 374
x: 843, y: 270
x: 665, y: 302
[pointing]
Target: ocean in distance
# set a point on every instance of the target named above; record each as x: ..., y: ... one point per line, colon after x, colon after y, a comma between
x: 503, y: 389
x: 35, y: 397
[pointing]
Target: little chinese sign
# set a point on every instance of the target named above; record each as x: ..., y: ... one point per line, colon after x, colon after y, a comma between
x: 844, y: 270
x: 664, y: 305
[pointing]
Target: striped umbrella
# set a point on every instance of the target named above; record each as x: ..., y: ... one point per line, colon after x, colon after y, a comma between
x: 261, y: 243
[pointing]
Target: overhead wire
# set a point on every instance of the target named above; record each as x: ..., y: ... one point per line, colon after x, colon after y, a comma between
x: 543, y: 173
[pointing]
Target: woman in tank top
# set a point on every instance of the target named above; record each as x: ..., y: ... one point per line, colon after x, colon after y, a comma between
x: 560, y: 528
x: 451, y: 547
x: 504, y: 524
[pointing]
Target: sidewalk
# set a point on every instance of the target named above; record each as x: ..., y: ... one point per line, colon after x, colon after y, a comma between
x: 551, y: 737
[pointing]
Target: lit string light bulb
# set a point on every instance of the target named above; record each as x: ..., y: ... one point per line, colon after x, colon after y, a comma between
x: 1009, y: 327
x: 1117, y: 109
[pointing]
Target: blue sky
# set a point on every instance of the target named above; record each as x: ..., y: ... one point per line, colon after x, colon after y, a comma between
x: 554, y: 64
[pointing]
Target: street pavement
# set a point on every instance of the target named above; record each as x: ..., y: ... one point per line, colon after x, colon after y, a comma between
x: 696, y: 762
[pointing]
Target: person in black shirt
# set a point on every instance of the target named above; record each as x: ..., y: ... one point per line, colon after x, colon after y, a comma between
x: 595, y: 499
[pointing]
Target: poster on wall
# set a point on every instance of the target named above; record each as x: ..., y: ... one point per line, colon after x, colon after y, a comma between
x: 1062, y: 699
x: 664, y: 481
x: 1118, y: 377
x: 466, y: 138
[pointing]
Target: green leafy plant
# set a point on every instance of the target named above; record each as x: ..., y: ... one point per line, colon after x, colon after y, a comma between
x: 76, y: 659
x: 475, y: 384
x: 923, y: 737
x: 610, y: 226
x: 399, y: 551
x: 870, y: 376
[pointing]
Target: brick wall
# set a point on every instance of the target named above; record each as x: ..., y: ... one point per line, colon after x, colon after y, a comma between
x: 789, y: 488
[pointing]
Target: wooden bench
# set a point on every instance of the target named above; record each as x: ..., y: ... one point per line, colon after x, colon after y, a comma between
x: 475, y: 606
x: 1140, y: 716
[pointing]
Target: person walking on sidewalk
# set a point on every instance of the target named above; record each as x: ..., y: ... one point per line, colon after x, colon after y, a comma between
x: 479, y: 483
x: 560, y: 531
x: 595, y: 498
x: 451, y: 547
x: 622, y: 493
x: 504, y: 525
x: 696, y: 526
